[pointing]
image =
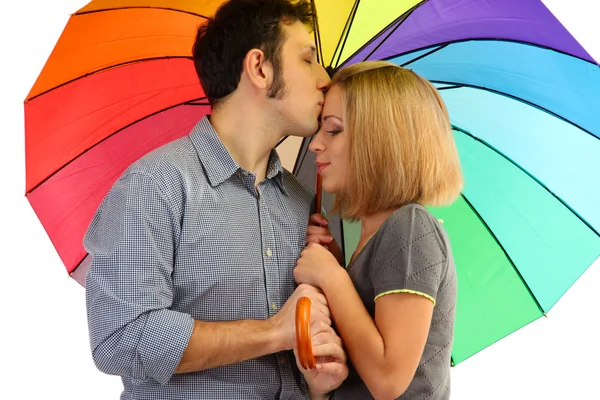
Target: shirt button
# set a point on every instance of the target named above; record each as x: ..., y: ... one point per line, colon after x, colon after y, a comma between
x: 274, y: 306
x: 269, y: 253
x: 281, y: 359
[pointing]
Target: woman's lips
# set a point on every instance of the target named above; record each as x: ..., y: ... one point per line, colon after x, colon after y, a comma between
x: 321, y: 166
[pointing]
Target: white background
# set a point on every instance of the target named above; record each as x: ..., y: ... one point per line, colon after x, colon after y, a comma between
x: 44, y: 349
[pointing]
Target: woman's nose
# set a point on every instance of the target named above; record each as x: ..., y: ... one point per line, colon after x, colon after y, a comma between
x: 315, y: 144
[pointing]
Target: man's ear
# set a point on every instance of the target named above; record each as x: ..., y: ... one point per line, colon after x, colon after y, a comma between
x: 258, y: 70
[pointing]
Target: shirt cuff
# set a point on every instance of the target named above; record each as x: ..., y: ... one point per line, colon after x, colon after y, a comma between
x: 166, y: 336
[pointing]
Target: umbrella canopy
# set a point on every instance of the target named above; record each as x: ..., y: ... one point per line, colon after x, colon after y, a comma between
x: 519, y: 88
x: 522, y: 97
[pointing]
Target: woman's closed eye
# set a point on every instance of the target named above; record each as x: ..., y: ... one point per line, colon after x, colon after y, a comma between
x: 333, y: 128
x: 332, y: 125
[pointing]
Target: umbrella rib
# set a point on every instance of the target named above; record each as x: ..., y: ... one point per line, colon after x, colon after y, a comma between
x: 188, y: 102
x: 456, y: 128
x: 399, y: 21
x: 489, y: 40
x: 504, y: 251
x: 134, y: 7
x: 104, y: 69
x: 345, y: 33
x: 281, y: 141
x: 317, y: 35
x: 197, y: 102
x: 430, y: 52
x: 457, y: 85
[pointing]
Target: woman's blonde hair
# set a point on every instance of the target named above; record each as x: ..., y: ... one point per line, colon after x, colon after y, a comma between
x: 401, y: 147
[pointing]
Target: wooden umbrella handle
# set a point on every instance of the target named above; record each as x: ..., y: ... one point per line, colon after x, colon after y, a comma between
x: 303, y: 336
x: 318, y: 194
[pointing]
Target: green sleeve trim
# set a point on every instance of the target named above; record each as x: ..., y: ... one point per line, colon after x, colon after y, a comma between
x: 406, y: 291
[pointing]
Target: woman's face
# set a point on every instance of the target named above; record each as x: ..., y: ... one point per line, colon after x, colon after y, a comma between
x: 330, y: 144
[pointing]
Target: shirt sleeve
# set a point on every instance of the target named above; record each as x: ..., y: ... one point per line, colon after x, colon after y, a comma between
x: 132, y: 240
x: 411, y: 255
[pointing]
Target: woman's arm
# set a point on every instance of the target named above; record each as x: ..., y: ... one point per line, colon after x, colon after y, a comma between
x: 406, y: 269
x: 385, y: 352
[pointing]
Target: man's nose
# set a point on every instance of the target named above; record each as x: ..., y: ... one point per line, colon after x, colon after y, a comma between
x: 323, y: 80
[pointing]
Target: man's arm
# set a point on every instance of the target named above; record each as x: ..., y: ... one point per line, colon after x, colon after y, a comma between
x: 214, y: 344
x: 129, y: 294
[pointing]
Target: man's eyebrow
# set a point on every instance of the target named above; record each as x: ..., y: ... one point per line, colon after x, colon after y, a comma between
x: 311, y: 48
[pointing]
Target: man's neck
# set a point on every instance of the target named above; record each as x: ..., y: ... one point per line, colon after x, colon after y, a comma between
x: 245, y: 134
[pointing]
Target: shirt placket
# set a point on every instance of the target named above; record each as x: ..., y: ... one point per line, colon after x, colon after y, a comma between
x: 269, y: 257
x: 272, y: 283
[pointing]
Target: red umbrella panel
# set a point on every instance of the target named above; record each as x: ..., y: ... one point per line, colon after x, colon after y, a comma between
x: 118, y: 84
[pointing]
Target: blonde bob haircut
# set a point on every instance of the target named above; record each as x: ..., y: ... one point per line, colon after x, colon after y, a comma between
x: 400, y: 143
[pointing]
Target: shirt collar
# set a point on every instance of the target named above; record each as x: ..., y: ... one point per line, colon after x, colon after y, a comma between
x: 217, y: 161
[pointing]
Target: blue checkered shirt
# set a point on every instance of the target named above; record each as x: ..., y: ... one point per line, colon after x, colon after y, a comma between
x: 182, y: 235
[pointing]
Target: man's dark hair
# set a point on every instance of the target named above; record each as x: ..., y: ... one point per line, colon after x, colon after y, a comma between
x: 238, y: 27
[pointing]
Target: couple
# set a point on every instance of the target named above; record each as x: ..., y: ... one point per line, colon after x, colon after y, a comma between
x: 199, y: 251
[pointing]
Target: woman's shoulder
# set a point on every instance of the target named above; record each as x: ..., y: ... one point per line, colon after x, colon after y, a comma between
x: 413, y: 215
x: 414, y: 222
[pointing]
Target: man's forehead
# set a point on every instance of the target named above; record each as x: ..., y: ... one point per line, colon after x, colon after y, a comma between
x: 298, y: 36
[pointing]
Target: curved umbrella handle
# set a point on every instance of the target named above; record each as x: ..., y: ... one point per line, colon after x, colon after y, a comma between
x: 303, y: 336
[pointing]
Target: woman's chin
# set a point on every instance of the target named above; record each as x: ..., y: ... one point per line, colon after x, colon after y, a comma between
x: 330, y: 187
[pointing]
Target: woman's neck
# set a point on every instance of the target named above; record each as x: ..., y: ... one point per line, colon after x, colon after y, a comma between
x: 370, y: 224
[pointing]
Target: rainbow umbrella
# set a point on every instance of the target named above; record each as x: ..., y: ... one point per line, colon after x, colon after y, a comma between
x: 520, y: 90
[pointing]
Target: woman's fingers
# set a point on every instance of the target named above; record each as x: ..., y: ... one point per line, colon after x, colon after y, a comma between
x: 317, y: 230
x: 333, y: 350
x: 317, y: 219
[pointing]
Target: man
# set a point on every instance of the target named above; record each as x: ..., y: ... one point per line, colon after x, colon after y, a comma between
x: 191, y: 292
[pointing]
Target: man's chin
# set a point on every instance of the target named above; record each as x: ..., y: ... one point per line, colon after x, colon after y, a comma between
x: 308, y: 132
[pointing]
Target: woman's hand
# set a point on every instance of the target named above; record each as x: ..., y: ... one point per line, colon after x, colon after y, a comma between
x: 331, y: 369
x: 315, y: 265
x: 317, y: 232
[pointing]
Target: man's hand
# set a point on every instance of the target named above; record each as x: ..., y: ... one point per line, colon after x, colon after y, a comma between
x: 284, y: 322
x: 331, y: 369
x: 318, y: 232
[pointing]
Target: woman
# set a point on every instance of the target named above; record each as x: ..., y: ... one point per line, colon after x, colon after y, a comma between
x: 386, y: 150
